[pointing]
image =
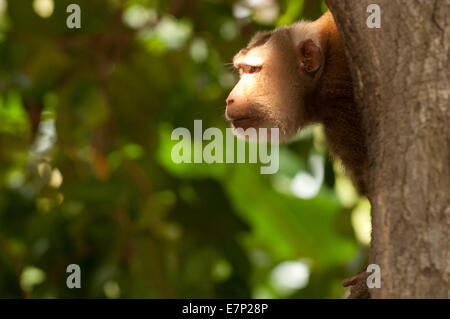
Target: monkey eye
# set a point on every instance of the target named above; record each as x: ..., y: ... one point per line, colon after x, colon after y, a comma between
x: 250, y: 69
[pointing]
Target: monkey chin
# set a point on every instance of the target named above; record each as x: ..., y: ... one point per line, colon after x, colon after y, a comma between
x: 259, y: 131
x: 246, y: 128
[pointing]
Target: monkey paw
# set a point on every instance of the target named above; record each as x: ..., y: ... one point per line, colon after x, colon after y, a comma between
x: 358, y: 284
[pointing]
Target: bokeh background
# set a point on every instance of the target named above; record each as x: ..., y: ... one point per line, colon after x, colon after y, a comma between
x: 86, y: 176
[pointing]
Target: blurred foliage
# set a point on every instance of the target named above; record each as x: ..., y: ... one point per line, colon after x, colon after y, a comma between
x: 86, y: 176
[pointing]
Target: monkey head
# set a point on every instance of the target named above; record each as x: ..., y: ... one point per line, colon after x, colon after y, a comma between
x: 278, y: 71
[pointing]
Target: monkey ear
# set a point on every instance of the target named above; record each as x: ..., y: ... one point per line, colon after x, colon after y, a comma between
x: 310, y: 56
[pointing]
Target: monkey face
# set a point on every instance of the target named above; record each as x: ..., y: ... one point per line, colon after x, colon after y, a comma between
x: 272, y: 86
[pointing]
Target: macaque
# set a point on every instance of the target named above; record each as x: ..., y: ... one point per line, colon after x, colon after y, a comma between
x: 295, y: 76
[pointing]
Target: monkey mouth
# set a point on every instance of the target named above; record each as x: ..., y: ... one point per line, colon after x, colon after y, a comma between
x: 244, y: 122
x: 245, y: 117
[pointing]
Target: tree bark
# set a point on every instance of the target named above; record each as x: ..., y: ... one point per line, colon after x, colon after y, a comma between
x: 401, y: 78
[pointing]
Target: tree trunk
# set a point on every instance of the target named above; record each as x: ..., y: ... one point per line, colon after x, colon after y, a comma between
x: 401, y: 77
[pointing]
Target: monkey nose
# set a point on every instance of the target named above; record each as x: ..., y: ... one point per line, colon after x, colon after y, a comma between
x: 230, y: 101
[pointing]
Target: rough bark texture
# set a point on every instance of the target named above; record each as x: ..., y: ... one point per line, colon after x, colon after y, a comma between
x: 401, y: 76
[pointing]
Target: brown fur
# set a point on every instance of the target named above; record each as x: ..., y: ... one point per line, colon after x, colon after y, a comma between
x: 332, y: 104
